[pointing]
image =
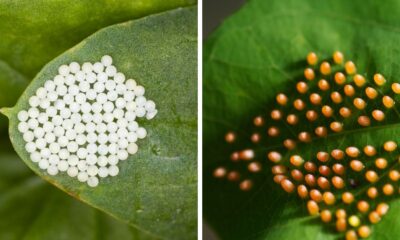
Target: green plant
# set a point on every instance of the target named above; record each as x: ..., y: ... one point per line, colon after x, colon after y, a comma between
x: 301, y: 122
x: 160, y: 50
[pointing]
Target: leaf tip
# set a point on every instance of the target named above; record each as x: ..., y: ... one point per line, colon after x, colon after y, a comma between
x: 6, y: 111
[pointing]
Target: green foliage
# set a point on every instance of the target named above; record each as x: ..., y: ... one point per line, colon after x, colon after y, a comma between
x: 259, y: 52
x: 155, y: 190
x: 159, y: 51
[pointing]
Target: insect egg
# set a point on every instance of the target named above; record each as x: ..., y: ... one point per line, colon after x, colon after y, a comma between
x: 274, y: 156
x: 336, y: 126
x: 258, y: 121
x: 340, y: 78
x: 219, y: 172
x: 350, y: 67
x: 328, y: 198
x: 364, y: 121
x: 326, y: 216
x: 371, y: 176
x: 235, y: 156
x: 310, y: 180
x: 345, y: 112
x: 292, y: 119
x: 279, y: 178
x: 379, y: 79
x: 372, y: 192
x: 338, y: 57
x: 287, y: 185
x: 374, y: 217
x: 337, y: 154
x: 349, y: 90
x: 276, y: 114
x: 357, y: 165
x: 323, y: 85
x: 233, y: 176
x: 297, y: 175
x: 359, y: 103
x: 351, y: 235
x: 299, y: 104
x: 381, y: 163
x: 296, y: 160
x: 313, y: 208
x: 363, y: 206
x: 323, y: 183
x: 312, y: 58
x: 309, y: 74
x: 354, y: 221
x: 316, y: 195
x: 394, y: 175
x: 396, y: 88
x: 336, y: 97
x: 359, y: 80
x: 246, y: 154
x: 255, y: 137
x: 371, y: 93
x: 382, y: 209
x: 340, y: 213
x: 310, y: 166
x: 352, y: 152
x: 254, y: 167
x: 327, y: 111
x: 323, y: 156
x: 304, y: 137
x: 321, y: 131
x: 338, y: 168
x: 230, y: 137
x: 378, y: 115
x: 341, y: 225
x: 279, y: 169
x: 389, y: 146
x: 302, y: 87
x: 369, y: 150
x: 302, y: 191
x: 315, y: 99
x: 311, y: 115
x: 281, y: 99
x: 246, y: 185
x: 325, y: 68
x: 273, y: 131
x: 338, y: 182
x: 347, y: 197
x: 69, y: 119
x: 388, y: 101
x: 388, y: 189
x: 364, y: 231
x: 289, y: 144
x: 324, y: 170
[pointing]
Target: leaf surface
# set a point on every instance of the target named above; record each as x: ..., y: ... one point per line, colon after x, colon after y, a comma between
x: 156, y: 189
x: 259, y: 52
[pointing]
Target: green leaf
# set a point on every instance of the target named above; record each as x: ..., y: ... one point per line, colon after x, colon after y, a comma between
x: 259, y: 52
x: 156, y: 189
x: 33, y: 209
x: 12, y: 84
x: 35, y: 32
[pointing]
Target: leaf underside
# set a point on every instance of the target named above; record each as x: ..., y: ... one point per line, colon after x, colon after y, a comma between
x: 155, y: 190
x: 271, y: 40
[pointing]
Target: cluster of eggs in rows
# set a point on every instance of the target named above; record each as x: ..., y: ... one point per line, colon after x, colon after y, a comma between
x: 84, y: 121
x: 346, y: 96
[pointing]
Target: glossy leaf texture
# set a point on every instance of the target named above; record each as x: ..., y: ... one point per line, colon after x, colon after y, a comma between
x: 256, y: 54
x: 34, y: 32
x: 156, y: 189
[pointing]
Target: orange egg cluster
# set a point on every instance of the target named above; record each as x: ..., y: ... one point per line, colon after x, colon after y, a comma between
x: 342, y: 185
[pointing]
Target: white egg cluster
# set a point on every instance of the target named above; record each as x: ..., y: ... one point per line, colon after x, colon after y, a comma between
x: 82, y: 122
